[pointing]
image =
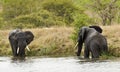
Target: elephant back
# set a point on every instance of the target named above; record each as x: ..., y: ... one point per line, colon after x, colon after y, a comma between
x: 90, y: 34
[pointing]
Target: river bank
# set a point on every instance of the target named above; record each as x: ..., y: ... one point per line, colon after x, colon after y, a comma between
x: 57, y: 41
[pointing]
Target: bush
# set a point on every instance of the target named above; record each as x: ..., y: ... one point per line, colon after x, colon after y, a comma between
x: 80, y: 21
x: 43, y: 18
x: 14, y: 8
x: 38, y: 13
x: 61, y: 8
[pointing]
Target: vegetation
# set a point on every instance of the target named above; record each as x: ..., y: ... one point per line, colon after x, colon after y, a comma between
x: 47, y: 41
x: 113, y: 39
x: 38, y: 13
x: 57, y: 41
x: 106, y: 10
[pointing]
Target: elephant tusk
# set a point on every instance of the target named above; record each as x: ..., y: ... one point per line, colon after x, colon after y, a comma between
x: 76, y: 45
x: 28, y: 48
x: 18, y: 50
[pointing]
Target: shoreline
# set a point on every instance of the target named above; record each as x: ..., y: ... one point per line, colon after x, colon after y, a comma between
x: 57, y: 42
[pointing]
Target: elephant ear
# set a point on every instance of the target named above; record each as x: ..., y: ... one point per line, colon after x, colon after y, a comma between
x: 97, y: 28
x: 29, y: 37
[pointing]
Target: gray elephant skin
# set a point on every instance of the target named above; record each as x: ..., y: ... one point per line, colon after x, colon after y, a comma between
x: 94, y: 42
x: 19, y: 41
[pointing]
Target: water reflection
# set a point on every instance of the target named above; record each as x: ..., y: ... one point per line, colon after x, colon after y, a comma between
x: 82, y: 60
x: 60, y: 64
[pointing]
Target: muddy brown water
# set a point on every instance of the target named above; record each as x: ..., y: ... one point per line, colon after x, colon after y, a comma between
x: 59, y: 64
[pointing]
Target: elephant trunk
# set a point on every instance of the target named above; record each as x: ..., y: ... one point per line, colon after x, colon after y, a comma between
x: 18, y: 49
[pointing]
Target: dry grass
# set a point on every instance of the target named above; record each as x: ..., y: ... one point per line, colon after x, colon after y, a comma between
x: 4, y: 43
x: 47, y: 41
x: 56, y: 41
x: 52, y: 41
x: 112, y: 34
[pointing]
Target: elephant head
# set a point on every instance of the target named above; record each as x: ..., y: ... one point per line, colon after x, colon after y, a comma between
x: 93, y: 41
x: 19, y: 41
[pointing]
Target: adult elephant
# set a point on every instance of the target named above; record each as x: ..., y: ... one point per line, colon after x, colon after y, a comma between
x: 19, y: 41
x: 94, y: 42
x: 97, y: 28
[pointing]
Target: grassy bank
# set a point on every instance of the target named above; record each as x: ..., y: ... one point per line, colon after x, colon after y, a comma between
x: 47, y: 41
x: 112, y: 34
x: 57, y: 41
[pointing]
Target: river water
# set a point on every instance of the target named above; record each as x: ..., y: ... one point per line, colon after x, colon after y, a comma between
x: 59, y: 64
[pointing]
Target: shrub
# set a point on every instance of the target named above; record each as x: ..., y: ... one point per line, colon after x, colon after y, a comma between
x: 43, y: 18
x: 38, y: 13
x: 14, y: 8
x: 62, y: 8
x: 80, y: 20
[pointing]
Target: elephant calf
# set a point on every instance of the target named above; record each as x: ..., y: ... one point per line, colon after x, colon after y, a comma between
x: 94, y: 42
x: 19, y: 41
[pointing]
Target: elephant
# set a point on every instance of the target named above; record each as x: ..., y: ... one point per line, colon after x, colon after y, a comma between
x: 19, y: 40
x: 97, y: 28
x: 94, y: 42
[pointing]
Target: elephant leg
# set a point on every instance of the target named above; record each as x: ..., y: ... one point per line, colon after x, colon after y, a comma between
x: 79, y: 52
x: 13, y: 46
x: 95, y: 51
x: 15, y: 50
x: 79, y: 49
x: 86, y: 52
x: 94, y: 48
x: 95, y: 54
x: 22, y: 53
